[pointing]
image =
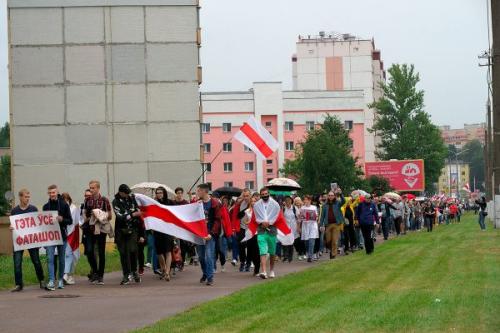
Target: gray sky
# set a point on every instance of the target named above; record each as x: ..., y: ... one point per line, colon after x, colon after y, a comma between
x: 246, y: 41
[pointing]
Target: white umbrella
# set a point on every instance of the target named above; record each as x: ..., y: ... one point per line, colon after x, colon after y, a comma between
x: 392, y: 195
x: 283, y: 184
x: 148, y: 188
x: 357, y: 193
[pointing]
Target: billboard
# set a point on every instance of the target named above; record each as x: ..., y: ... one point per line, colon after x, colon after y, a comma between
x: 407, y: 175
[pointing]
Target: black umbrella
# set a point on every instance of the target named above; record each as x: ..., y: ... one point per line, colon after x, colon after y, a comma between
x: 227, y: 191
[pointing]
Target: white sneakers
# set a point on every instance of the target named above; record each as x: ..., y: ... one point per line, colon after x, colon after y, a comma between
x: 264, y: 275
x: 222, y: 268
x: 68, y: 279
x: 272, y: 275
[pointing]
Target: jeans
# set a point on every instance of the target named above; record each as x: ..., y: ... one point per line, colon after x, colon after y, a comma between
x: 310, y: 247
x: 321, y: 241
x: 206, y: 254
x: 235, y: 246
x: 18, y: 265
x: 151, y: 256
x: 359, y: 236
x: 386, y: 225
x: 299, y: 246
x: 220, y: 250
x: 98, y: 241
x: 481, y: 221
x: 429, y: 222
x: 71, y: 258
x: 61, y: 255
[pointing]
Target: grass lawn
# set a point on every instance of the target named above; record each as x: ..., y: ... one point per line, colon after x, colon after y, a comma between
x: 448, y: 280
x: 29, y: 276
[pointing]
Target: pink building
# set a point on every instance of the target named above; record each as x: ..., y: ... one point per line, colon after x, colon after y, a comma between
x: 332, y: 75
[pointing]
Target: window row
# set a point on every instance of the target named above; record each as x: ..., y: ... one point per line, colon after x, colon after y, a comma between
x: 228, y: 167
x: 227, y: 147
x: 310, y: 125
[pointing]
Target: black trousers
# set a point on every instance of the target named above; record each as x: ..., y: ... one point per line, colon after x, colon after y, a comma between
x: 300, y: 247
x: 253, y: 253
x: 386, y: 226
x: 242, y: 247
x: 97, y: 243
x: 140, y: 254
x: 429, y: 221
x: 397, y: 224
x: 349, y: 236
x: 288, y: 252
x: 367, y: 230
x: 128, y: 247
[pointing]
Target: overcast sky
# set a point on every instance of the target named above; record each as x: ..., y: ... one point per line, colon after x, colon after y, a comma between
x: 246, y: 41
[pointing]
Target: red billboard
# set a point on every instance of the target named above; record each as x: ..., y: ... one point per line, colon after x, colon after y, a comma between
x: 405, y: 176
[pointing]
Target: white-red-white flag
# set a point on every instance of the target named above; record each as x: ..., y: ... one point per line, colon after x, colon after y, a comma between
x: 272, y: 214
x: 185, y: 221
x: 466, y: 187
x: 253, y: 135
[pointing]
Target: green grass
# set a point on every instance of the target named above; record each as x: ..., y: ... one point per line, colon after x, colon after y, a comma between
x: 29, y: 276
x: 445, y: 281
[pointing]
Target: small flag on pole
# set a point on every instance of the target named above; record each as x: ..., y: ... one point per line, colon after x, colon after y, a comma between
x: 253, y: 135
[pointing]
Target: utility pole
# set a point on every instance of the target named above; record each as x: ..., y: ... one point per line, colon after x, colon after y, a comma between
x: 495, y: 55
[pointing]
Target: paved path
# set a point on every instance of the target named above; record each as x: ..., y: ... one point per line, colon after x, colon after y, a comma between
x: 114, y: 308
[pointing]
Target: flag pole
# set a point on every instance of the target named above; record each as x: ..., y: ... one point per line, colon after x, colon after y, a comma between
x: 204, y: 170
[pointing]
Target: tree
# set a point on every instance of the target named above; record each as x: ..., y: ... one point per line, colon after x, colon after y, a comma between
x: 379, y: 185
x: 325, y: 157
x: 5, y: 135
x: 473, y: 154
x: 405, y: 129
x: 4, y: 184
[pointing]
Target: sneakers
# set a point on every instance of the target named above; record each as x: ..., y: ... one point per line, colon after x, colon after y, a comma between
x: 210, y: 282
x: 43, y: 285
x: 65, y: 279
x: 301, y: 258
x: 60, y: 284
x: 234, y: 262
x: 272, y: 275
x: 309, y: 260
x: 137, y: 277
x: 50, y: 286
x: 93, y: 278
x: 247, y: 268
x: 203, y: 279
x: 141, y: 271
x: 18, y: 288
x: 222, y: 268
x: 148, y: 265
x: 263, y: 275
x: 125, y: 281
x: 242, y: 267
x: 71, y: 280
x: 100, y: 281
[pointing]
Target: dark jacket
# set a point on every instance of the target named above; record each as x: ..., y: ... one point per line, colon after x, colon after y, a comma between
x: 63, y: 210
x: 337, y: 211
x: 366, y: 213
x: 214, y: 218
x: 125, y: 223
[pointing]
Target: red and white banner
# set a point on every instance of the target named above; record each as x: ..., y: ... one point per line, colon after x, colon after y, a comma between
x: 33, y: 230
x: 185, y: 221
x: 253, y: 135
x: 274, y: 216
x: 407, y: 175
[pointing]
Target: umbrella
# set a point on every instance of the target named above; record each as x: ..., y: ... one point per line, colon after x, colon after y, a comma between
x: 149, y: 187
x: 410, y: 196
x: 392, y: 195
x: 420, y: 199
x: 227, y: 191
x: 357, y: 193
x: 283, y: 184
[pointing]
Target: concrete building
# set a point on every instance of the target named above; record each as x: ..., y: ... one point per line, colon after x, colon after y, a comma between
x: 341, y: 62
x: 460, y: 136
x: 106, y: 90
x: 454, y: 176
x: 335, y: 74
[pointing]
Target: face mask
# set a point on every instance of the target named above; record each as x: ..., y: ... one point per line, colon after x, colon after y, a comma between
x: 265, y: 198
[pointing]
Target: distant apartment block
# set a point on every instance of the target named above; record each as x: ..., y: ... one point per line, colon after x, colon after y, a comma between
x: 460, y: 136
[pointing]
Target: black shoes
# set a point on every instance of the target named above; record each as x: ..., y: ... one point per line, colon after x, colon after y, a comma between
x: 18, y: 288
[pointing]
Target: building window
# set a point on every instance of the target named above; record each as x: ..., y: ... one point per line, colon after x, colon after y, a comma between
x: 228, y: 167
x: 226, y: 127
x: 269, y: 170
x: 227, y: 147
x: 268, y: 162
x: 268, y: 124
x: 207, y: 167
x: 248, y: 166
x: 289, y: 146
x: 348, y: 125
x: 246, y: 149
x: 250, y: 184
x: 309, y: 125
x: 206, y: 147
x: 228, y: 184
x: 289, y: 126
x: 205, y: 127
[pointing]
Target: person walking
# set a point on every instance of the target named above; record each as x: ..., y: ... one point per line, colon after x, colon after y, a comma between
x: 128, y: 232
x: 367, y: 214
x: 57, y: 203
x: 206, y: 251
x: 240, y: 225
x: 387, y: 209
x: 25, y: 207
x: 309, y: 224
x: 398, y: 216
x: 482, y: 212
x: 429, y: 215
x: 97, y: 210
x: 348, y: 211
x: 291, y: 215
x: 332, y: 219
x: 164, y: 243
x: 185, y: 246
x: 73, y: 241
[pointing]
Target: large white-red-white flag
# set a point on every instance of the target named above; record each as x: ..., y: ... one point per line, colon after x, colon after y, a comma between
x: 253, y: 135
x: 185, y: 222
x: 271, y: 213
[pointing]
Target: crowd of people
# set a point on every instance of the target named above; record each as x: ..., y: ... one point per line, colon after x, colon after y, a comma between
x: 328, y: 224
